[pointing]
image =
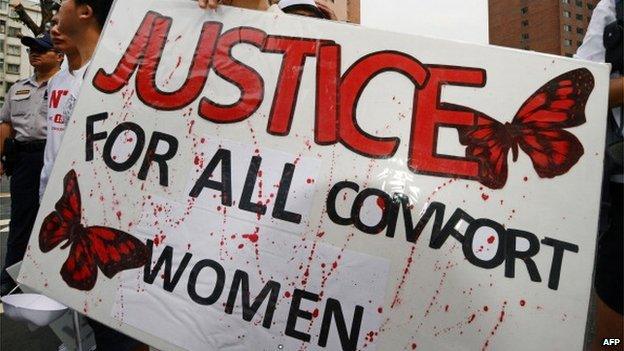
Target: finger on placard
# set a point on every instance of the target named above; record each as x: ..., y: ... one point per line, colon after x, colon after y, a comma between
x: 208, y: 4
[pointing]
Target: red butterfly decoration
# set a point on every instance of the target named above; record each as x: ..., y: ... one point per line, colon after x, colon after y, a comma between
x: 537, y: 129
x: 91, y: 247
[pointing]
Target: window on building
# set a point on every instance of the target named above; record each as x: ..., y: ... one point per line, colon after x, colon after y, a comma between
x: 525, y: 23
x: 13, y: 68
x: 580, y: 30
x: 567, y: 27
x: 1, y: 45
x: 13, y: 14
x: 566, y: 14
x: 524, y: 10
x: 590, y: 6
x: 14, y: 50
x: 2, y: 27
x: 4, y: 5
x: 7, y: 86
x: 579, y: 17
x: 565, y: 1
x: 579, y: 3
x: 567, y: 42
x: 15, y: 32
x: 2, y: 63
x: 525, y: 36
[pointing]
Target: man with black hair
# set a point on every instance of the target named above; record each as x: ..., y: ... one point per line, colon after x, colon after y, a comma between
x: 58, y: 89
x: 81, y: 22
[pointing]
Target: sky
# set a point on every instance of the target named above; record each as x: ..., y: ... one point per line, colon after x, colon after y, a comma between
x: 465, y: 20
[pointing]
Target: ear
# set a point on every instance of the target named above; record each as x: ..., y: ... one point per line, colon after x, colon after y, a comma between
x: 85, y: 12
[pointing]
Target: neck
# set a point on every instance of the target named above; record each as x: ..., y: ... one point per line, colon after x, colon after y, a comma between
x: 44, y: 74
x: 86, y: 46
x: 74, y: 61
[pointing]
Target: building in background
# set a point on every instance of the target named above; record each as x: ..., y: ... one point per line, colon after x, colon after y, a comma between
x: 13, y: 56
x: 550, y: 26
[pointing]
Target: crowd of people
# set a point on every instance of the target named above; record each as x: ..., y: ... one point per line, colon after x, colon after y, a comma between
x: 37, y: 111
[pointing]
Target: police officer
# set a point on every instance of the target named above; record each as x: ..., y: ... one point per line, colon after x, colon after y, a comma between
x: 23, y: 123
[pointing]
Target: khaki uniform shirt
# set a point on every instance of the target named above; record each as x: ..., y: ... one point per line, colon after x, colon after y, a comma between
x: 25, y: 107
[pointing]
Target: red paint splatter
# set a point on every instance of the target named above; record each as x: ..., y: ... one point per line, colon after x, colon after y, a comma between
x: 485, y: 197
x: 370, y: 336
x: 472, y: 318
x: 287, y: 294
x: 522, y: 303
x: 118, y: 215
x: 526, y: 179
x: 501, y: 318
x: 251, y: 237
x: 381, y: 203
x: 315, y: 313
x: 414, y: 346
x: 485, y: 308
x: 406, y: 271
x: 240, y: 246
x: 491, y: 239
x: 446, y: 308
x: 380, y: 309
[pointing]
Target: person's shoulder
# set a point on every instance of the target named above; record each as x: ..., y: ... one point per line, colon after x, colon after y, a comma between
x: 59, y: 79
x: 608, y: 6
x: 19, y: 86
x: 21, y: 82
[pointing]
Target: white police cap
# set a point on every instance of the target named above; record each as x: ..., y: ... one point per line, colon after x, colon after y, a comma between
x: 287, y: 3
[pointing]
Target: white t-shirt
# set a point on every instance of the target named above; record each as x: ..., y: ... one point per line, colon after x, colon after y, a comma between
x: 63, y: 89
x: 593, y: 50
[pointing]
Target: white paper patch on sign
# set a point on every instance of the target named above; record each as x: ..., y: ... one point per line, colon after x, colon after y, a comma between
x: 327, y: 295
x: 258, y: 184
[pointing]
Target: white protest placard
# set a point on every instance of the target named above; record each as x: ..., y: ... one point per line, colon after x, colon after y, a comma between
x: 239, y: 180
